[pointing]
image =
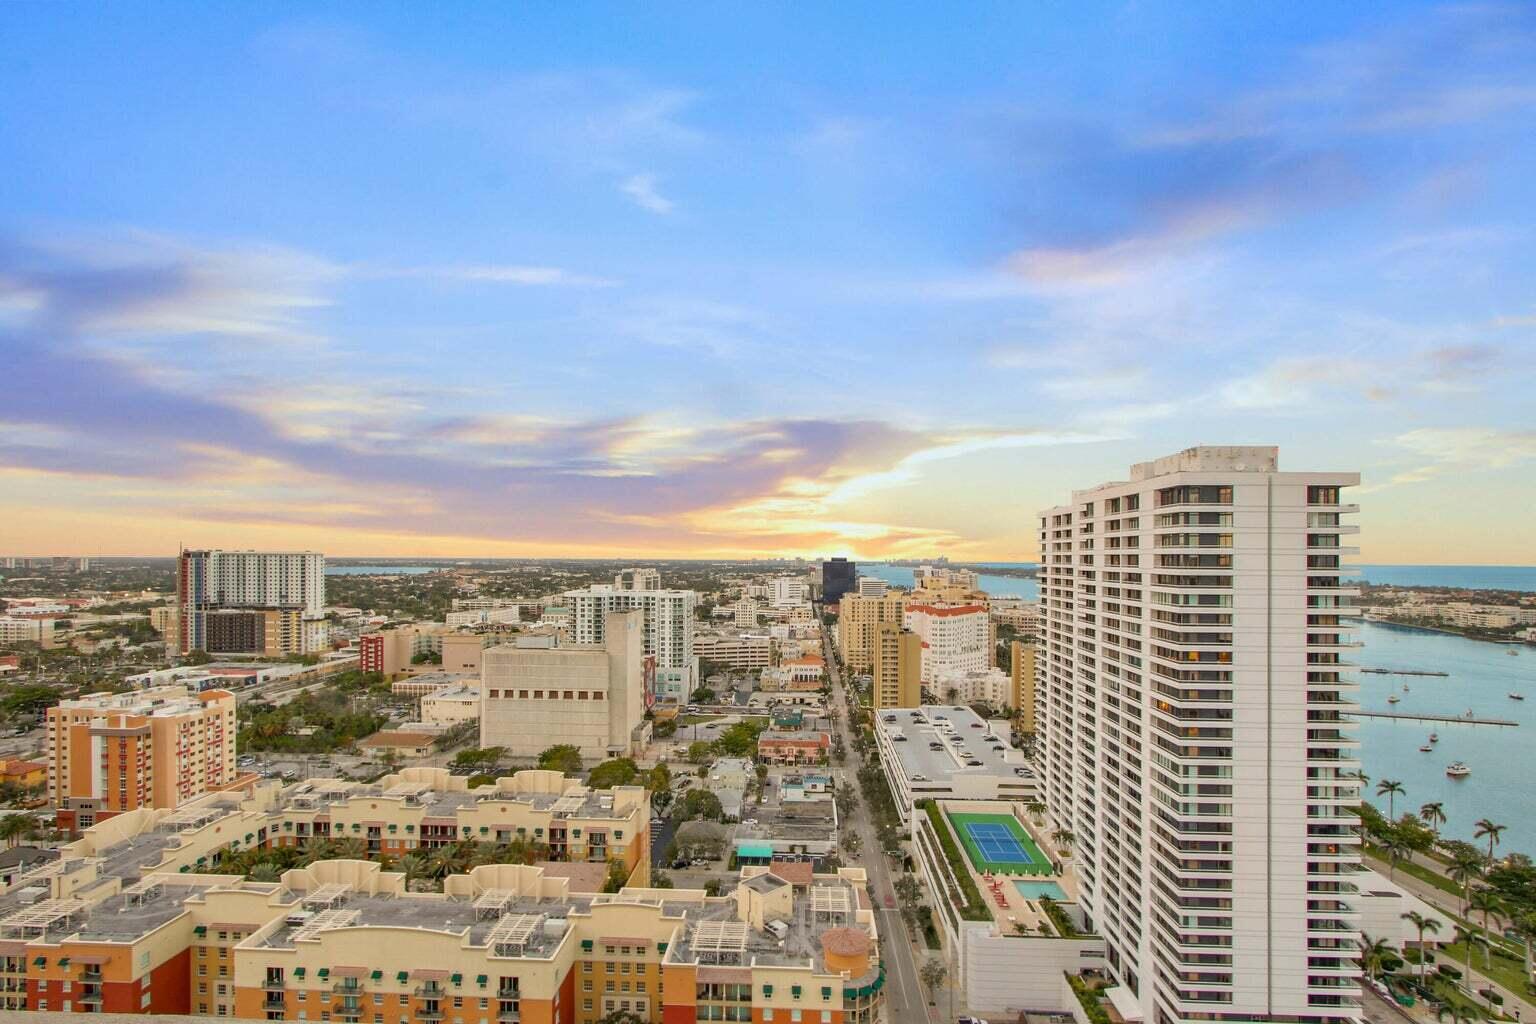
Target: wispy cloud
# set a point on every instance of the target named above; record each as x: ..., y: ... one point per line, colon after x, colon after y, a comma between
x: 641, y: 189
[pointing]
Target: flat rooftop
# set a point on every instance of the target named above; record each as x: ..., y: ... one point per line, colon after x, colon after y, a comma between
x: 962, y: 736
x: 438, y: 913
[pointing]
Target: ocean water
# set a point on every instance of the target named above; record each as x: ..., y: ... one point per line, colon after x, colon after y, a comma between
x: 996, y: 586
x: 1480, y: 677
x: 1477, y: 577
x: 1501, y: 758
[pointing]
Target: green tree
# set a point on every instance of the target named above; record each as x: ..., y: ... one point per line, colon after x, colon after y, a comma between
x: 1487, y: 828
x: 1434, y: 816
x: 659, y: 780
x: 1485, y: 901
x: 1422, y: 924
x: 699, y: 804
x: 16, y: 827
x: 1465, y: 866
x: 933, y: 972
x: 620, y: 771
x: 618, y: 874
x: 1525, y: 926
x: 562, y: 757
x: 699, y: 752
x: 1391, y: 789
x: 1063, y: 838
x: 1375, y: 954
x: 661, y: 880
x: 1396, y: 846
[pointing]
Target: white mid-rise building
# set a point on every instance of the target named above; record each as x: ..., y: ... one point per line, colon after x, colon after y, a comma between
x: 1192, y: 702
x: 872, y: 586
x: 785, y: 591
x: 926, y: 577
x: 668, y: 619
x: 956, y: 638
x: 219, y: 582
x: 638, y: 579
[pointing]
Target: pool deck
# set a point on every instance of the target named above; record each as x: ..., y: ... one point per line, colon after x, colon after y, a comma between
x: 1010, y: 909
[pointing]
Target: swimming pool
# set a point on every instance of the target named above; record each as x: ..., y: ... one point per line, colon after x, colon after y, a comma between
x: 1035, y: 890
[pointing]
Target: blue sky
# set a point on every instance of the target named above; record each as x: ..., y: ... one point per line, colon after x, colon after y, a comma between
x: 663, y: 279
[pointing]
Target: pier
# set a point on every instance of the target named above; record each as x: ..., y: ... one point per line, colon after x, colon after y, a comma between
x: 1411, y: 716
x: 1403, y: 672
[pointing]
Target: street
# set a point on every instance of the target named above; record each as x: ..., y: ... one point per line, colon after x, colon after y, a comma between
x: 904, y: 999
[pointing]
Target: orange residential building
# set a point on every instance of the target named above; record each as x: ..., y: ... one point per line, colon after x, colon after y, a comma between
x: 115, y: 752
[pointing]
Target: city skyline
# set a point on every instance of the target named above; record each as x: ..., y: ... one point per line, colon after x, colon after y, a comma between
x: 523, y: 283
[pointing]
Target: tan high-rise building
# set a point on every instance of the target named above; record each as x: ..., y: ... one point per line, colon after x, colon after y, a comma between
x: 857, y: 617
x: 1021, y: 661
x: 115, y: 752
x: 896, y: 666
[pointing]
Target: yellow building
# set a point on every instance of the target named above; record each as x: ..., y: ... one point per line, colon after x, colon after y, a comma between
x: 856, y: 620
x: 158, y: 747
x: 1022, y: 663
x: 896, y: 667
x: 132, y: 923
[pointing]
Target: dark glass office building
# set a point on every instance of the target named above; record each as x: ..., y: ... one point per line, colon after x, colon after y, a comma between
x: 837, y: 579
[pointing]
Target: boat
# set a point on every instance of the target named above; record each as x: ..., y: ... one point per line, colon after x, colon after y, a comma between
x: 1426, y: 748
x: 1393, y: 699
x: 1512, y: 653
x: 1516, y: 696
x: 1434, y: 737
x: 1457, y: 769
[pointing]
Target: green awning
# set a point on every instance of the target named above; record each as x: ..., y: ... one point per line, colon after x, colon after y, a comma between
x: 41, y: 961
x: 794, y: 990
x: 586, y: 944
x: 767, y: 991
x: 324, y: 972
x: 753, y: 848
x: 201, y: 929
x: 826, y: 992
x: 63, y: 961
x: 377, y: 975
x: 403, y: 977
x: 481, y: 979
x: 298, y: 972
x: 457, y: 979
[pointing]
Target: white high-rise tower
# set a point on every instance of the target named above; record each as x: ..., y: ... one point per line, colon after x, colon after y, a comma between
x: 1192, y: 688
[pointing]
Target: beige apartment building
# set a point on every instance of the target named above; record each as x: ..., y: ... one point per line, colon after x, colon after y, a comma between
x: 896, y: 667
x: 537, y: 693
x: 1022, y: 676
x: 857, y: 617
x: 109, y: 752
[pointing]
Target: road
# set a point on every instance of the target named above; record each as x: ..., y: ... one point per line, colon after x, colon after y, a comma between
x: 904, y: 999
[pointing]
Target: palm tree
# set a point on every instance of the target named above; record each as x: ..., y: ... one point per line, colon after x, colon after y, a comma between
x: 1525, y: 926
x: 1375, y: 954
x: 16, y: 827
x: 1063, y: 837
x: 1391, y: 789
x: 1396, y: 846
x: 1485, y: 901
x: 1471, y: 938
x: 414, y: 865
x: 1486, y: 827
x: 1422, y: 924
x: 1463, y: 869
x: 266, y: 871
x: 1434, y: 816
x: 1036, y: 809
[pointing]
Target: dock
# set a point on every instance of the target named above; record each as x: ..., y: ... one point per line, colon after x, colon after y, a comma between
x: 1403, y: 672
x: 1411, y: 716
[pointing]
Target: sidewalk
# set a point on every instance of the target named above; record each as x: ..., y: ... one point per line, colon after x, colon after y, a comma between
x: 1448, y: 905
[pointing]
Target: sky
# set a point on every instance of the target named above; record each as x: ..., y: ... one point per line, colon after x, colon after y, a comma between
x: 727, y: 280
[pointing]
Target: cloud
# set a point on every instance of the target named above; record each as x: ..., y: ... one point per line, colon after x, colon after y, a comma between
x: 641, y: 188
x: 159, y: 444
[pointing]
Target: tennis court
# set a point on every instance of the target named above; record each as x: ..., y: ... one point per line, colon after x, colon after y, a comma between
x: 998, y: 844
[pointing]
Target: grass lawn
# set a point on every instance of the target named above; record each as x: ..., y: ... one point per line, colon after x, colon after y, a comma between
x: 1423, y: 874
x: 697, y: 719
x: 1509, y: 973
